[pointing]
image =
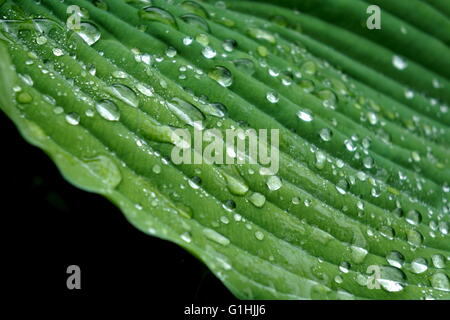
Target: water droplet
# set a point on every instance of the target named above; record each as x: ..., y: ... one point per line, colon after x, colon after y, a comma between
x: 259, y: 235
x: 440, y: 281
x: 156, y: 14
x: 387, y: 232
x: 368, y: 162
x: 443, y: 227
x: 399, y: 63
x: 24, y: 97
x: 125, y: 94
x: 391, y: 279
x: 57, y: 52
x: 187, y: 41
x: 196, y: 21
x: 307, y: 85
x: 247, y: 66
x: 118, y: 74
x: 274, y: 183
x: 89, y: 33
x: 325, y: 134
x: 413, y: 217
x: 186, y: 112
x: 229, y: 45
x: 305, y: 115
x: 216, y: 237
x: 222, y: 75
x: 342, y: 186
x: 419, y: 265
x: 108, y: 110
x: 195, y: 182
x: 186, y: 237
x: 171, y: 52
x: 229, y: 205
x: 144, y: 89
x: 320, y: 159
x: 344, y: 267
x: 257, y: 199
x: 156, y: 169
x: 73, y: 118
x: 261, y: 34
x: 209, y: 52
x: 196, y: 8
x: 350, y: 145
x: 395, y: 259
x: 438, y: 261
x: 309, y: 68
x: 202, y: 38
x: 273, y: 97
x: 414, y: 237
x: 41, y: 40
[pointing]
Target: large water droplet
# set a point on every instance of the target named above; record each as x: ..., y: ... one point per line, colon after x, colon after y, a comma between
x: 196, y: 21
x: 186, y: 112
x: 391, y: 279
x: 395, y: 259
x: 196, y: 8
x: 89, y: 33
x: 440, y: 281
x: 222, y: 75
x: 272, y: 97
x: 419, y: 265
x: 247, y: 66
x: 108, y: 110
x: 125, y: 94
x: 274, y: 183
x: 156, y: 14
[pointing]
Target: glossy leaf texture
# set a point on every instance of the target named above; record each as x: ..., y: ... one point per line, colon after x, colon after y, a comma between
x: 359, y: 208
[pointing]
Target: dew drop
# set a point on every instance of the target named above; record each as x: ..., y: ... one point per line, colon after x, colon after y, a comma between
x: 274, y: 183
x: 222, y: 75
x: 305, y: 115
x: 216, y: 237
x: 395, y: 259
x: 413, y: 217
x: 125, y: 94
x: 259, y: 235
x: 440, y: 281
x: 391, y: 279
x: 89, y: 33
x: 257, y: 199
x: 196, y: 21
x: 419, y: 265
x: 156, y: 14
x: 272, y: 97
x: 73, y: 119
x: 399, y: 63
x: 229, y: 45
x: 108, y: 110
x: 209, y: 52
x: 325, y: 134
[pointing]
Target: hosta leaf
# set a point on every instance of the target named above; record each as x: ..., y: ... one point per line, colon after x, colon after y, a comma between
x: 359, y: 207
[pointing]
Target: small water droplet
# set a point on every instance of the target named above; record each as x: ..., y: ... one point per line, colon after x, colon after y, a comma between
x: 325, y: 134
x: 257, y: 199
x: 440, y: 281
x: 73, y: 119
x: 259, y: 235
x: 272, y: 97
x: 395, y: 259
x: 229, y: 45
x: 399, y: 63
x: 209, y: 52
x: 413, y: 217
x: 216, y: 237
x: 305, y: 115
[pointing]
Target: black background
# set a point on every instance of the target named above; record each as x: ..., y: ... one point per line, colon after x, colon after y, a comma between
x: 48, y: 224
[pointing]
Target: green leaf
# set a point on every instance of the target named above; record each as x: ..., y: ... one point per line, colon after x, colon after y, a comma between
x: 359, y: 208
